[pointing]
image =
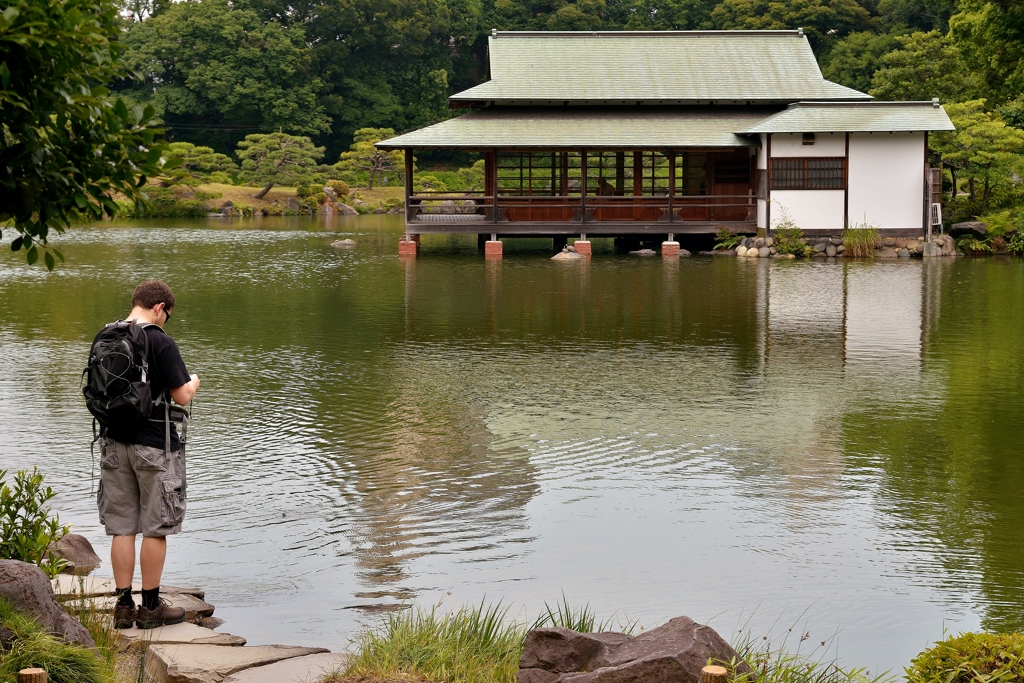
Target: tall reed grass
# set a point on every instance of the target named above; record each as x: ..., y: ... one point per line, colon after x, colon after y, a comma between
x: 860, y: 241
x: 31, y: 646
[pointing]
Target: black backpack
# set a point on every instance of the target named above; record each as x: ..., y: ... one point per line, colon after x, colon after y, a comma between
x: 117, y: 390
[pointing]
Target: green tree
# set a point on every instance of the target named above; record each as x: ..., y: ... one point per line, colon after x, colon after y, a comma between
x: 824, y: 21
x: 916, y: 15
x: 990, y: 34
x: 392, y: 63
x: 195, y: 164
x: 983, y: 150
x: 926, y: 65
x: 66, y: 146
x: 364, y: 156
x: 855, y: 59
x: 213, y: 70
x: 278, y: 157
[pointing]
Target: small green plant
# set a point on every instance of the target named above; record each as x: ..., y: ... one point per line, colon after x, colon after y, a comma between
x: 971, y: 658
x: 726, y: 239
x: 31, y: 646
x: 304, y: 191
x: 789, y: 238
x: 972, y: 244
x: 861, y: 240
x: 26, y: 527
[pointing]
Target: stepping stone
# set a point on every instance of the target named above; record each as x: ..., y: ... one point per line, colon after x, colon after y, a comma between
x: 195, y: 609
x: 180, y: 634
x: 67, y: 586
x: 297, y: 670
x: 213, y: 663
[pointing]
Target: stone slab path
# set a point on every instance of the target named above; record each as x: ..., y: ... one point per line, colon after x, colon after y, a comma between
x: 189, y: 653
x: 213, y: 663
x: 307, y: 669
x: 179, y: 634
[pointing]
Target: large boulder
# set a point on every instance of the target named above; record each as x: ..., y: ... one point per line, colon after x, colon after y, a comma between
x: 673, y: 653
x: 968, y: 227
x: 28, y: 590
x: 78, y: 552
x: 345, y: 210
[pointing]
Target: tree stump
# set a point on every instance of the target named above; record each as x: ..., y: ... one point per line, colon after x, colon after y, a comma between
x: 31, y: 676
x: 711, y: 674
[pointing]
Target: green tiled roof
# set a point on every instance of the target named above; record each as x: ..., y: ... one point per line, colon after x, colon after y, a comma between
x: 854, y: 117
x: 652, y: 67
x: 573, y: 128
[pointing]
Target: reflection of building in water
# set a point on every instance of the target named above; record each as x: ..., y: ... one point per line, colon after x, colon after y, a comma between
x: 430, y: 485
x: 834, y: 335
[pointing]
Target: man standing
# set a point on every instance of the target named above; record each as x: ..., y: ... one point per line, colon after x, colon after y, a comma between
x: 142, y: 482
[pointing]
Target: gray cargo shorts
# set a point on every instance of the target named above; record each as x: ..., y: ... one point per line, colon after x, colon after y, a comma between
x: 142, y: 491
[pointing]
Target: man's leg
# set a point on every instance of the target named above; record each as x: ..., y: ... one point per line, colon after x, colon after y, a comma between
x: 154, y: 551
x: 122, y: 559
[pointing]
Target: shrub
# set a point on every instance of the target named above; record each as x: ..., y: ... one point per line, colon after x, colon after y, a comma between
x: 789, y: 238
x: 26, y: 527
x: 220, y: 177
x: 860, y: 241
x: 429, y: 183
x: 31, y: 647
x: 1015, y: 243
x: 340, y: 187
x: 725, y: 239
x: 972, y: 244
x: 303, y: 191
x: 320, y: 197
x: 971, y: 658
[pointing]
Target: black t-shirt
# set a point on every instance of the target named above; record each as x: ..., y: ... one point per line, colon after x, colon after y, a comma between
x: 166, y: 371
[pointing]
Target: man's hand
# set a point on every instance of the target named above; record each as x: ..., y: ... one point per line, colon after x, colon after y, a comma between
x: 183, y: 394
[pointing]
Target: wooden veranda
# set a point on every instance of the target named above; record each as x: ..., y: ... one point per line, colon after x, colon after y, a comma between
x: 615, y: 192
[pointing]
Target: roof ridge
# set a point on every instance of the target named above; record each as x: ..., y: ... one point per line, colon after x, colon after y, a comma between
x: 863, y: 103
x: 647, y: 34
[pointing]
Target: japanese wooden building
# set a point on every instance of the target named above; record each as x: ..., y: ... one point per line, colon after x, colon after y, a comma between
x: 667, y: 133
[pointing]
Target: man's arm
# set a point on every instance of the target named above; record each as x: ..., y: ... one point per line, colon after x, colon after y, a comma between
x: 183, y: 394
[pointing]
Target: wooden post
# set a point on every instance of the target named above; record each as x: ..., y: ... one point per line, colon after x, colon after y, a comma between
x: 714, y: 674
x: 31, y: 676
x: 408, y: 189
x: 583, y: 186
x: 494, y: 184
x: 671, y: 186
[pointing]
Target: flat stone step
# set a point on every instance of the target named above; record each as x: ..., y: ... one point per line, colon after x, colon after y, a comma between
x: 195, y: 609
x: 213, y: 663
x: 298, y: 670
x: 66, y: 586
x: 178, y: 634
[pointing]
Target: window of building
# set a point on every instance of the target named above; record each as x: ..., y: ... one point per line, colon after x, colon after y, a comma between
x: 809, y: 173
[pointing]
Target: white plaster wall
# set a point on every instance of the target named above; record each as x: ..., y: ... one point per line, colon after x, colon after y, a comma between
x: 809, y: 208
x: 762, y: 164
x: 886, y: 179
x: 825, y: 145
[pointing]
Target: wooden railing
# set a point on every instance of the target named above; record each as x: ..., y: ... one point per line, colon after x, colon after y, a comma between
x: 440, y: 207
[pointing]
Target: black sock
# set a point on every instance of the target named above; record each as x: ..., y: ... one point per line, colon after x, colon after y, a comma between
x: 124, y: 597
x: 151, y: 598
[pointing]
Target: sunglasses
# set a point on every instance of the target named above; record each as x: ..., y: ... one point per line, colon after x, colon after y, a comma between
x: 168, y: 314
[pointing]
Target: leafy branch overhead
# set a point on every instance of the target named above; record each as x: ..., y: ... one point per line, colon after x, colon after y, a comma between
x: 66, y: 145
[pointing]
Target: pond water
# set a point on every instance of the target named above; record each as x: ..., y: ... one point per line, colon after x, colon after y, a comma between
x: 834, y: 447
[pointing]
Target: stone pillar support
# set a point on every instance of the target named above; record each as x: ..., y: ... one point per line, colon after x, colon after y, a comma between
x: 492, y: 248
x: 409, y: 245
x: 582, y: 245
x: 670, y: 248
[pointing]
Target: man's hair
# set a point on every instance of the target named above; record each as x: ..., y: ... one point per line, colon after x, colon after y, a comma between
x: 153, y: 292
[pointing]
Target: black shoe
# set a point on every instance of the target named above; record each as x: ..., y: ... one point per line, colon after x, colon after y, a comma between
x: 124, y: 616
x: 163, y: 615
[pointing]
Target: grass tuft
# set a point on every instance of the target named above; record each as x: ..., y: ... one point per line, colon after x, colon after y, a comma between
x: 861, y: 241
x: 472, y: 645
x: 32, y: 646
